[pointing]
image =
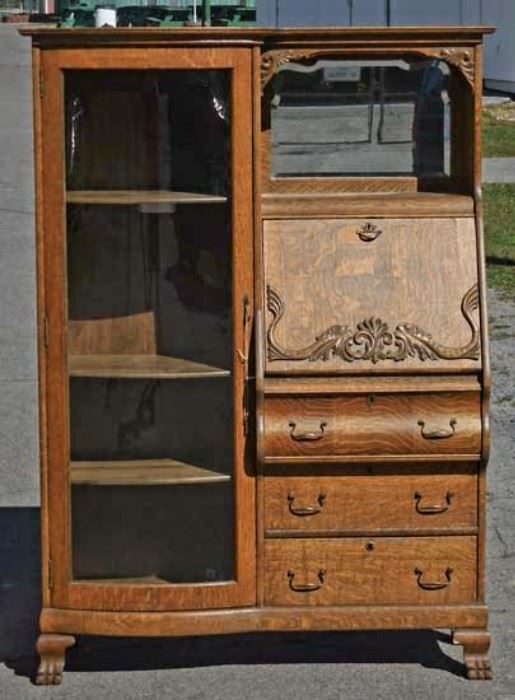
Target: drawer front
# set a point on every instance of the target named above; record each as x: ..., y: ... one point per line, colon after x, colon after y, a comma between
x: 360, y: 295
x: 359, y: 571
x: 373, y: 424
x: 365, y: 503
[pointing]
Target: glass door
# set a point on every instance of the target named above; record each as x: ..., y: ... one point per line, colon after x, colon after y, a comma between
x: 156, y: 320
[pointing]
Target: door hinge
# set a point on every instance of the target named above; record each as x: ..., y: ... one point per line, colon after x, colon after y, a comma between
x: 246, y: 409
x: 41, y: 83
x: 50, y: 570
x: 45, y: 331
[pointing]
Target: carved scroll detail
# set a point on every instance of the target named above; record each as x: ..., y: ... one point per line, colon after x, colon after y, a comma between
x: 373, y: 341
x: 461, y: 58
x: 271, y: 61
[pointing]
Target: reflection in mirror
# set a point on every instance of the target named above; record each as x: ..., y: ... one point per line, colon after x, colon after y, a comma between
x: 338, y: 118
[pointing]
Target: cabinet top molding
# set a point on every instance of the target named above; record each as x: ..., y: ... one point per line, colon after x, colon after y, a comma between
x: 351, y: 36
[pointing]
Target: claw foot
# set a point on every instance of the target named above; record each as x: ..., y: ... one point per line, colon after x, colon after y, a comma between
x: 476, y: 644
x: 479, y: 668
x: 52, y: 654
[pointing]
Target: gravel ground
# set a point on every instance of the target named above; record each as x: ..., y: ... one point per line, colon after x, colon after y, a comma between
x: 419, y: 664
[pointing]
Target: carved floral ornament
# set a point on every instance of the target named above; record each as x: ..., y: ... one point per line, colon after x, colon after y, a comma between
x: 373, y: 340
x: 461, y: 58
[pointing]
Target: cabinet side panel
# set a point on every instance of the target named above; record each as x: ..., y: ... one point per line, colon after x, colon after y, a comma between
x: 54, y: 269
x: 486, y: 377
x: 37, y: 84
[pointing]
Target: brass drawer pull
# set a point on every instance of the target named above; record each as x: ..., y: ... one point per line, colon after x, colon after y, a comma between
x: 434, y: 509
x: 368, y: 232
x: 308, y: 510
x: 305, y: 587
x: 308, y: 436
x: 433, y: 585
x: 439, y: 434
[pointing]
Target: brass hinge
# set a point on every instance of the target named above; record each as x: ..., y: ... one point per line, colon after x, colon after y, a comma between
x: 41, y: 83
x: 246, y: 411
x: 50, y: 570
x: 45, y: 331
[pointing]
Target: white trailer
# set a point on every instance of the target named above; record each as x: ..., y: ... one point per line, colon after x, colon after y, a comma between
x: 499, y: 47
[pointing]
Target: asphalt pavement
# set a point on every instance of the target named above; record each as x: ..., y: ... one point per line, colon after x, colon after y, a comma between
x: 418, y: 664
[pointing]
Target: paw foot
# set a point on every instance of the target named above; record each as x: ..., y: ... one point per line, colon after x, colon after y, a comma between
x: 476, y: 644
x: 52, y: 654
x: 50, y: 672
x: 479, y: 669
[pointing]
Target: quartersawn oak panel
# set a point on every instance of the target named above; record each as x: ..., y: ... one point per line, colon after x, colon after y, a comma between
x: 322, y: 280
x: 373, y: 424
x: 395, y: 204
x: 360, y: 570
x: 261, y: 619
x: 380, y: 502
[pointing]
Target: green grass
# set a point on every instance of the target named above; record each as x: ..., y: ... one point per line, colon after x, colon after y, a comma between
x: 499, y: 131
x: 499, y: 201
x: 501, y: 278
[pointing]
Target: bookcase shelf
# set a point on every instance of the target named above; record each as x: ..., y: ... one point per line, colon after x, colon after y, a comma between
x: 141, y: 366
x: 142, y: 472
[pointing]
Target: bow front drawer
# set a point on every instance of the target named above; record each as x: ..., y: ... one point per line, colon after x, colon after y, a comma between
x: 372, y: 425
x: 371, y: 502
x: 382, y: 570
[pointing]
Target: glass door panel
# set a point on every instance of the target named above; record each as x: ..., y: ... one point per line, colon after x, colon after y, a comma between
x: 150, y: 329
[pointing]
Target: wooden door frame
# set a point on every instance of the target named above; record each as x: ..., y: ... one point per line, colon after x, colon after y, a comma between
x: 59, y: 588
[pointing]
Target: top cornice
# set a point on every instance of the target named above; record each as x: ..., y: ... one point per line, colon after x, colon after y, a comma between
x: 271, y: 38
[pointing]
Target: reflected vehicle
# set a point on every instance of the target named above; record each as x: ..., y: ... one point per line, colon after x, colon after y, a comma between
x: 333, y: 118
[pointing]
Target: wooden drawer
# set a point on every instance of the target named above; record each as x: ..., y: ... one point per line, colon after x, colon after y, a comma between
x: 382, y: 571
x: 371, y: 503
x: 372, y: 425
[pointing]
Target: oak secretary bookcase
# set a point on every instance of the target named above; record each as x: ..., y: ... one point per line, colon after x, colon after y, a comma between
x: 264, y: 377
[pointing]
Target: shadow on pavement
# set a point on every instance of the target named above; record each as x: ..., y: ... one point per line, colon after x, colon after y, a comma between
x: 20, y: 603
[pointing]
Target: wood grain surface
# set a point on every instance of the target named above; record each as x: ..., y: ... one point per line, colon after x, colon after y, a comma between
x: 370, y: 384
x: 371, y: 571
x: 137, y: 366
x: 142, y: 472
x: 410, y: 502
x: 373, y: 35
x: 134, y: 197
x: 130, y: 334
x: 290, y: 619
x: 328, y: 205
x: 415, y: 272
x: 370, y: 424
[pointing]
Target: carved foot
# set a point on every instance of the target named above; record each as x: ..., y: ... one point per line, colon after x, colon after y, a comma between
x: 52, y: 654
x: 476, y: 644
